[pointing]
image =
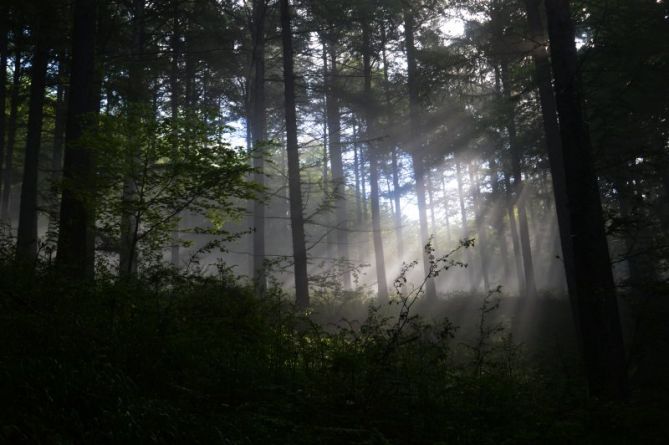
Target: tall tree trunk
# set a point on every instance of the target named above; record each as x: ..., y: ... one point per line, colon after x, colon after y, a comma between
x: 8, y: 171
x: 465, y: 229
x: 259, y: 132
x: 430, y: 196
x: 26, y: 245
x: 4, y: 36
x: 523, y: 227
x: 480, y: 227
x: 379, y: 256
x: 76, y: 238
x: 338, y: 177
x: 398, y: 207
x: 498, y: 218
x: 515, y: 239
x: 175, y: 100
x: 417, y: 155
x: 394, y: 153
x: 356, y: 172
x: 447, y: 218
x: 136, y: 103
x: 294, y: 185
x: 586, y: 254
x: 57, y: 149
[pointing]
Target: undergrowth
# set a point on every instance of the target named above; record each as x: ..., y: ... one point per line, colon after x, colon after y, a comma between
x: 189, y: 359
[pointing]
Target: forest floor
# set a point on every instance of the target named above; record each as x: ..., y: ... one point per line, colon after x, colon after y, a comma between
x: 174, y: 359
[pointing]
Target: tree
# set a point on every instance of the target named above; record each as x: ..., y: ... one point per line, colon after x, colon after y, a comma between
x: 374, y: 180
x: 259, y: 132
x: 416, y: 155
x: 76, y: 239
x: 585, y: 250
x: 26, y: 246
x: 296, y: 216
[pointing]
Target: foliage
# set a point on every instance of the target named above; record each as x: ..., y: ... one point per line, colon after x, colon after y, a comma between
x: 184, y: 358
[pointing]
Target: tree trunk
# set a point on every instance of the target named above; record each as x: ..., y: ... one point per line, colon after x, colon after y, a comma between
x: 523, y: 227
x: 379, y: 257
x: 136, y: 103
x: 515, y: 239
x: 586, y: 254
x: 338, y: 177
x: 4, y: 36
x: 356, y: 172
x: 465, y: 229
x: 175, y: 100
x: 417, y: 155
x: 498, y: 219
x: 57, y: 149
x: 398, y: 207
x: 394, y: 153
x: 294, y: 185
x: 76, y: 238
x: 259, y: 133
x: 480, y: 227
x: 8, y: 171
x: 26, y: 245
x: 430, y: 196
x: 447, y: 218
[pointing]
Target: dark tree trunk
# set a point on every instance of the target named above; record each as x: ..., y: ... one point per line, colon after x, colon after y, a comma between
x: 8, y: 171
x: 76, y: 248
x: 585, y: 250
x: 515, y: 239
x: 430, y: 196
x: 417, y: 155
x: 57, y: 149
x: 465, y: 229
x: 26, y: 245
x: 447, y: 218
x: 336, y: 161
x: 175, y: 100
x: 259, y: 133
x: 480, y: 227
x: 356, y: 172
x: 523, y: 227
x: 398, y: 208
x: 4, y: 36
x: 498, y: 219
x: 394, y: 153
x: 136, y: 104
x: 379, y: 256
x: 296, y: 216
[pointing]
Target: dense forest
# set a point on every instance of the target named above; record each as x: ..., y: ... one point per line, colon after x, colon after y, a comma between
x: 334, y: 221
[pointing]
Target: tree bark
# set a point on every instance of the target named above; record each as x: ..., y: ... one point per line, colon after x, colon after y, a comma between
x: 76, y: 248
x: 585, y: 250
x: 294, y: 185
x: 27, y: 241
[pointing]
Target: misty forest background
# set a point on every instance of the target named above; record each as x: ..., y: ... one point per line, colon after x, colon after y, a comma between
x: 342, y: 221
